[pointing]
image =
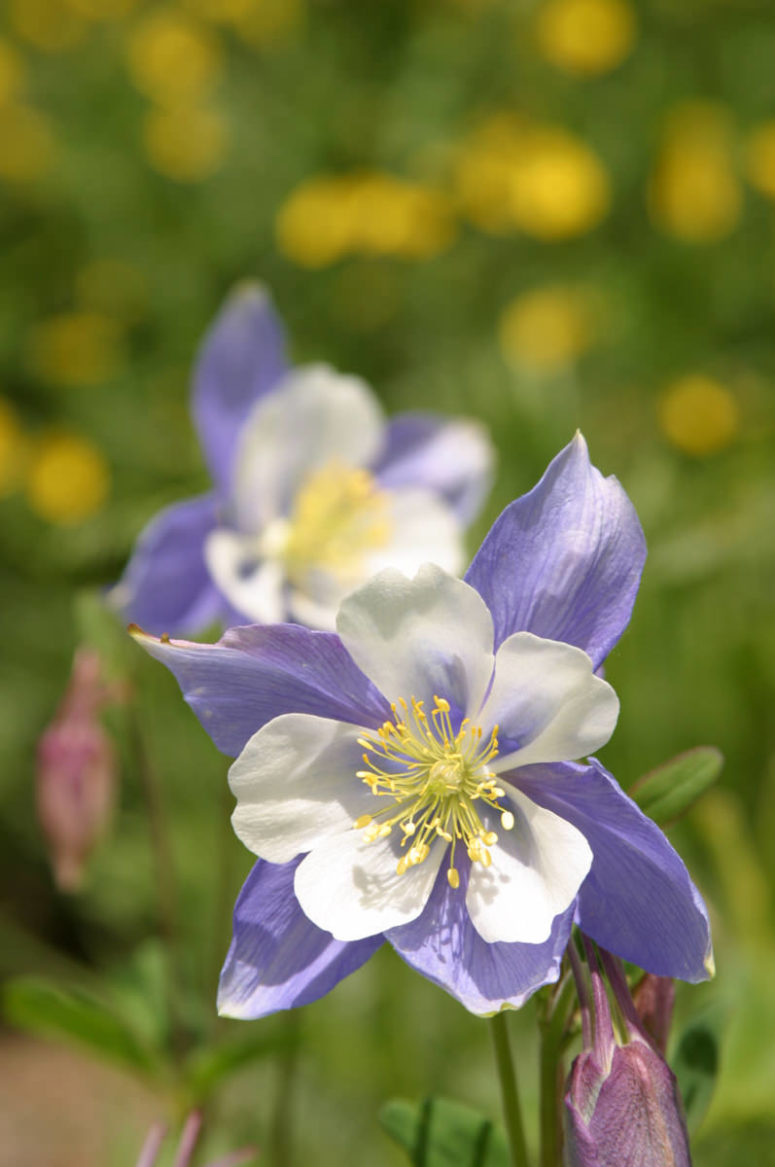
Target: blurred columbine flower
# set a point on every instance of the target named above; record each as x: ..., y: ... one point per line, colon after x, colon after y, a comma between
x: 314, y: 491
x: 410, y: 778
x: 622, y: 1106
x: 76, y: 772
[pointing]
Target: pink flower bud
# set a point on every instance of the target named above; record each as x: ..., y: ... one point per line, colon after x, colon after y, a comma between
x: 76, y: 773
x: 622, y: 1107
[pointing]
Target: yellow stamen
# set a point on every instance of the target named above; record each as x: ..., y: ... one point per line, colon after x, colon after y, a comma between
x: 434, y: 776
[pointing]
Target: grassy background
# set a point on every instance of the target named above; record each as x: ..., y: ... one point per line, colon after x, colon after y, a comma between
x: 468, y: 205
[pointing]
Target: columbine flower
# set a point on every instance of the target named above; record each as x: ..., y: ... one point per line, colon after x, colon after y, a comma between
x: 622, y: 1104
x: 314, y: 491
x: 411, y: 778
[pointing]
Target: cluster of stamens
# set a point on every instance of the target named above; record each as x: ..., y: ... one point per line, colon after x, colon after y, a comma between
x: 434, y: 778
x: 339, y: 515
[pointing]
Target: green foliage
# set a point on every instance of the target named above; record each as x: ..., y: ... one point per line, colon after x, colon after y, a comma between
x: 443, y: 1133
x: 695, y: 1065
x: 669, y: 791
x: 76, y: 1017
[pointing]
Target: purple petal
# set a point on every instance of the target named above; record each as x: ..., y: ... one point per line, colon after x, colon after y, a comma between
x: 256, y: 673
x: 453, y: 457
x: 166, y: 586
x: 638, y: 900
x: 278, y: 959
x: 241, y: 358
x: 444, y: 946
x: 565, y: 560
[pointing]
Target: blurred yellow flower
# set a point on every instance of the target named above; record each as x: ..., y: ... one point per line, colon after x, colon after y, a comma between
x: 585, y: 37
x: 483, y: 170
x: 539, y: 179
x: 67, y: 479
x: 112, y: 287
x: 13, y: 446
x: 694, y: 192
x: 546, y: 329
x: 11, y: 72
x: 76, y: 348
x: 26, y: 143
x: 328, y: 217
x: 264, y: 22
x: 698, y: 415
x: 559, y: 187
x: 760, y: 158
x: 172, y: 58
x: 47, y: 24
x: 188, y: 143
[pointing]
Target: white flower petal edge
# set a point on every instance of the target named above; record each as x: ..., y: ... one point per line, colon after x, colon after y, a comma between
x: 420, y: 637
x: 424, y: 530
x: 352, y: 889
x: 295, y: 786
x: 314, y: 417
x: 546, y: 696
x: 537, y: 869
x: 258, y: 592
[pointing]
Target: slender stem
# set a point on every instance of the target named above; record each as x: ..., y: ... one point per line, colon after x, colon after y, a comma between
x: 550, y: 1082
x: 281, y: 1126
x: 509, y: 1092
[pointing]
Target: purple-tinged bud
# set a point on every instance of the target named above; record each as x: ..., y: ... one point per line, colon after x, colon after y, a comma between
x: 622, y: 1107
x: 76, y: 773
x: 654, y: 998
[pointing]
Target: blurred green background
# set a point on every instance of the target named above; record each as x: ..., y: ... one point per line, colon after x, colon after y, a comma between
x: 544, y: 213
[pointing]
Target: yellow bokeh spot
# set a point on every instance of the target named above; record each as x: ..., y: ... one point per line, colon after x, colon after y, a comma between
x: 585, y: 37
x: 542, y: 180
x: 265, y: 22
x: 47, y: 24
x: 76, y: 348
x: 11, y: 72
x: 698, y: 415
x: 173, y: 59
x: 188, y: 143
x: 329, y: 217
x: 760, y: 158
x: 26, y: 144
x: 112, y: 287
x: 13, y: 447
x: 67, y: 479
x: 694, y: 192
x: 546, y: 329
x: 559, y: 187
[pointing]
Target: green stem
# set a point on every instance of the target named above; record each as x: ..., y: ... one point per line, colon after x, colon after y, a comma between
x: 280, y: 1144
x: 509, y: 1093
x: 551, y: 1081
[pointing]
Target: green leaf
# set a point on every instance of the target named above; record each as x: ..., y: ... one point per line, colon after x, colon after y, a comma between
x: 667, y: 792
x: 442, y: 1133
x: 695, y: 1065
x: 207, y: 1068
x: 72, y: 1016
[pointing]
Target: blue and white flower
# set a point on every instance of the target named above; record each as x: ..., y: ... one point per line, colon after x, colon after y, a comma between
x: 416, y: 776
x: 314, y: 491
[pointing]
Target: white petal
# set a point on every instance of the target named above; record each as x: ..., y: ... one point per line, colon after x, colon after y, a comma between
x: 252, y: 586
x: 546, y: 698
x: 537, y: 869
x: 424, y: 530
x: 352, y: 889
x: 314, y: 417
x: 295, y: 784
x: 431, y: 635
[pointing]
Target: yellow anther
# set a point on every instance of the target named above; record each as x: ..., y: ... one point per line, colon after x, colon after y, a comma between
x: 442, y: 704
x: 402, y: 865
x: 507, y: 820
x: 361, y: 822
x: 489, y: 838
x: 485, y: 858
x: 453, y: 879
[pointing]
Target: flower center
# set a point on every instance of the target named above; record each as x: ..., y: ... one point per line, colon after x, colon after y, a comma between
x: 434, y: 778
x: 339, y: 515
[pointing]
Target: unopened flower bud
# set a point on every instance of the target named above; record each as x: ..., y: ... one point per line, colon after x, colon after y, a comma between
x: 654, y: 998
x: 76, y: 773
x: 622, y: 1104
